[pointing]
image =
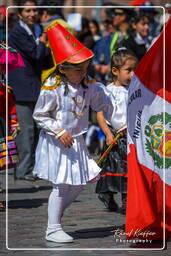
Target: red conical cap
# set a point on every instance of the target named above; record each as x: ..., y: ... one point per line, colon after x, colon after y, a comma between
x: 65, y: 46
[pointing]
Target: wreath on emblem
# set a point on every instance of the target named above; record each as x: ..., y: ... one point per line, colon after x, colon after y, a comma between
x: 155, y: 133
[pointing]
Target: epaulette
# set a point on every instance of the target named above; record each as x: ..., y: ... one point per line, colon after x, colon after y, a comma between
x: 48, y: 85
x: 90, y: 80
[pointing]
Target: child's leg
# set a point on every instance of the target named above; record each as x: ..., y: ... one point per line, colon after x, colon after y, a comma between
x: 56, y: 201
x: 73, y: 192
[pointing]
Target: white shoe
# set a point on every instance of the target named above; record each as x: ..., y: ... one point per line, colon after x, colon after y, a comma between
x: 58, y: 236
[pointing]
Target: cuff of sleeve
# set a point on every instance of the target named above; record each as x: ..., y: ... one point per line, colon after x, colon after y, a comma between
x: 60, y: 133
x: 123, y: 127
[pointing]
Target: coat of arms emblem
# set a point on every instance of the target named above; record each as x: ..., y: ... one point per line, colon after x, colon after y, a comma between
x: 158, y: 139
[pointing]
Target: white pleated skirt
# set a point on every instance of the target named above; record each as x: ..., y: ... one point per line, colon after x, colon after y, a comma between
x: 62, y: 165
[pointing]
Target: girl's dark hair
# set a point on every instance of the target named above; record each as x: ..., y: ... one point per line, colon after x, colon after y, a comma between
x: 96, y: 24
x: 120, y: 56
x: 22, y: 3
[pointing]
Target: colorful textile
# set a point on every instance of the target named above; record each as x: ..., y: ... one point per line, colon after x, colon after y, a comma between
x: 149, y: 144
x: 8, y: 149
x: 8, y: 152
x: 13, y: 124
x: 14, y: 59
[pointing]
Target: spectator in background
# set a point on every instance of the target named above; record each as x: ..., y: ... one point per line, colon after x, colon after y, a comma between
x: 85, y: 36
x: 26, y: 82
x: 95, y: 30
x: 154, y: 24
x: 105, y: 47
x: 138, y: 39
x: 105, y: 24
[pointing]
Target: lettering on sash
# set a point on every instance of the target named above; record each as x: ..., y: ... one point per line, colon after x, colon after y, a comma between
x: 134, y: 95
x: 137, y: 124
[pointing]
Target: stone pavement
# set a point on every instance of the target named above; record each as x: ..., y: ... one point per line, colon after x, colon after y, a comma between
x: 86, y: 220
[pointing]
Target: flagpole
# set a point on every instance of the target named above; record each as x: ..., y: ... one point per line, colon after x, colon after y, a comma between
x: 104, y: 155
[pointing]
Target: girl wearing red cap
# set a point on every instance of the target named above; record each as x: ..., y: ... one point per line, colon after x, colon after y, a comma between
x: 62, y: 112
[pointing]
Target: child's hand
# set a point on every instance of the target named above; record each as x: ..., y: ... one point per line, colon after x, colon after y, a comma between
x: 67, y: 140
x: 123, y: 132
x: 109, y: 138
x: 43, y: 38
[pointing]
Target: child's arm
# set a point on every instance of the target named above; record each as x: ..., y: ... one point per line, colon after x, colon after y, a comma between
x: 47, y: 104
x: 105, y: 128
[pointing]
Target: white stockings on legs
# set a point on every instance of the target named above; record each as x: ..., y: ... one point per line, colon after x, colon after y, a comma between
x: 61, y: 197
x: 54, y: 231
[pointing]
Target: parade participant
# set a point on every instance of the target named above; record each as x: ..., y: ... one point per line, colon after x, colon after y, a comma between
x: 62, y: 113
x: 8, y: 150
x: 114, y: 169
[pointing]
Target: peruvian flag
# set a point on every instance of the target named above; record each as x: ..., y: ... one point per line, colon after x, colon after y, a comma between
x: 148, y: 214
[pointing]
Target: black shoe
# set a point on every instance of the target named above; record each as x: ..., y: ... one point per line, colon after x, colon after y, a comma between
x: 122, y: 210
x: 113, y: 206
x: 108, y: 201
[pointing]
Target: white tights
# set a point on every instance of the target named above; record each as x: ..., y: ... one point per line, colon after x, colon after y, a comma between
x: 60, y: 198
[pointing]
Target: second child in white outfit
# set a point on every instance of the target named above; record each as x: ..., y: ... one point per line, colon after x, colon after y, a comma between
x: 114, y: 168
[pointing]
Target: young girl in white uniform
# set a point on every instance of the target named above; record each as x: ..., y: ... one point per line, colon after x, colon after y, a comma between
x: 114, y: 169
x: 62, y: 114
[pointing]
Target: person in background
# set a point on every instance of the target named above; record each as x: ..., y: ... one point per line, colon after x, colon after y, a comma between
x: 26, y: 83
x: 85, y: 36
x: 8, y: 159
x: 95, y: 30
x: 105, y: 47
x: 114, y: 168
x: 137, y: 41
x: 153, y: 15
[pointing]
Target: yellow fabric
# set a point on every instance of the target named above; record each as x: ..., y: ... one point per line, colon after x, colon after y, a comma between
x: 53, y: 86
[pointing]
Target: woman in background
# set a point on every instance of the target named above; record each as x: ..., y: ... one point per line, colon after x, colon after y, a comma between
x: 27, y: 39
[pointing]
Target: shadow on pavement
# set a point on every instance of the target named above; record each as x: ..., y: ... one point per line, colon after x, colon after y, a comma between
x: 94, y: 232
x: 29, y: 190
x: 26, y: 203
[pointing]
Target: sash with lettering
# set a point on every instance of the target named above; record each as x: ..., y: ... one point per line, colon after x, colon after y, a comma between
x: 148, y: 214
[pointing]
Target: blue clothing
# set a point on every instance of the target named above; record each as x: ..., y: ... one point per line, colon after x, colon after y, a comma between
x: 102, y: 51
x: 2, y: 32
x: 26, y: 80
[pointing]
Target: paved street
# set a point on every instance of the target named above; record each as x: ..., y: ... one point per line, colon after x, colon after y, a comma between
x: 86, y: 220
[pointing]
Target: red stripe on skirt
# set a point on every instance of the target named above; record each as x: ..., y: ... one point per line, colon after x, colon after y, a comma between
x: 113, y: 174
